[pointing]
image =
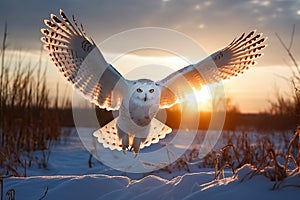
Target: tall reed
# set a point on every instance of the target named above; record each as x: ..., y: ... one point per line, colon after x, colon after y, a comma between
x: 29, y: 120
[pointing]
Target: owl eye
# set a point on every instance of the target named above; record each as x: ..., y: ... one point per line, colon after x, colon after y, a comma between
x: 139, y: 90
x: 151, y: 90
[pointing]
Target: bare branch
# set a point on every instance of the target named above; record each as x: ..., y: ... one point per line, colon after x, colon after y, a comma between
x: 289, y: 52
x: 292, y: 37
x: 295, y: 86
x: 295, y: 79
x: 3, y: 55
x: 282, y: 77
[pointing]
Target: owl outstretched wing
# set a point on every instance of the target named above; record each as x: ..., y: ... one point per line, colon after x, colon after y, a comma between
x: 81, y: 62
x: 230, y: 61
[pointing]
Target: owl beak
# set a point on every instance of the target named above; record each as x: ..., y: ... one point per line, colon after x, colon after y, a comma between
x: 145, y: 98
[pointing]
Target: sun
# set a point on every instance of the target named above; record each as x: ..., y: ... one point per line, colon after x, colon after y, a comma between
x: 199, y: 98
x: 202, y: 95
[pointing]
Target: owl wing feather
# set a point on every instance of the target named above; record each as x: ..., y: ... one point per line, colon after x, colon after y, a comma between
x: 81, y: 62
x: 109, y: 138
x: 230, y: 61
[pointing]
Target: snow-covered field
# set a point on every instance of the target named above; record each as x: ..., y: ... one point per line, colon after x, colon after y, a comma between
x: 69, y: 177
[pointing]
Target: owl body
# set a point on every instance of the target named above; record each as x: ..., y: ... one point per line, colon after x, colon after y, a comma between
x: 136, y: 126
x: 137, y: 111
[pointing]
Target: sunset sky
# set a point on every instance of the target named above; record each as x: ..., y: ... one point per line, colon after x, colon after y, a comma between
x: 212, y: 24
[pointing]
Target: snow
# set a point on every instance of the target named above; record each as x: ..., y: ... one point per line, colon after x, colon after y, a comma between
x: 69, y: 177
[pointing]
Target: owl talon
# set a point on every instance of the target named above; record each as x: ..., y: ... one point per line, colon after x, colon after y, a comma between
x: 124, y: 148
x: 130, y: 149
x: 124, y: 151
x: 136, y: 145
x: 136, y: 152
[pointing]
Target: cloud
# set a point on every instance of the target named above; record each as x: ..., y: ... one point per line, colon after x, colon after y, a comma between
x: 212, y: 23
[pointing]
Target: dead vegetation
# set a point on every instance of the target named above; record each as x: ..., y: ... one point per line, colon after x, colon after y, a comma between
x: 288, y: 104
x: 29, y: 120
x: 269, y: 154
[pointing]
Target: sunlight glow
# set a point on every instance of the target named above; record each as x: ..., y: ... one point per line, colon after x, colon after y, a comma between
x: 203, y: 95
x: 203, y: 98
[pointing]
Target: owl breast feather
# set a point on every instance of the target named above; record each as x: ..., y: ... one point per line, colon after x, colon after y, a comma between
x: 140, y: 114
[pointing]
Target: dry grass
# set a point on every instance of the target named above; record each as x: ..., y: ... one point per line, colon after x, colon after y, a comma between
x: 267, y: 157
x: 274, y: 155
x: 29, y: 120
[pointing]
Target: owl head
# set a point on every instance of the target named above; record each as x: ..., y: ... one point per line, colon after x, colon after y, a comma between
x: 145, y: 91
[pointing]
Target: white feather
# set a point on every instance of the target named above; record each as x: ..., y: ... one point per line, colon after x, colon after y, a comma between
x: 108, y: 136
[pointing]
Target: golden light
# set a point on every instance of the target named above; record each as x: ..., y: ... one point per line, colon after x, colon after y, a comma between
x: 203, y: 95
x: 202, y: 101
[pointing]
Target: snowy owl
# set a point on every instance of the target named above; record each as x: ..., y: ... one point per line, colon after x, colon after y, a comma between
x: 138, y: 101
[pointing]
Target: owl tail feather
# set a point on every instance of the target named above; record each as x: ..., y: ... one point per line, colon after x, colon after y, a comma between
x: 109, y: 137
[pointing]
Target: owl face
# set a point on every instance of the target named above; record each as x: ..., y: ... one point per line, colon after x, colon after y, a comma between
x: 145, y: 91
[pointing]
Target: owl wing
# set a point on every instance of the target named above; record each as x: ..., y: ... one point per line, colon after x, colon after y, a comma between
x: 223, y: 64
x: 81, y: 62
x: 108, y: 135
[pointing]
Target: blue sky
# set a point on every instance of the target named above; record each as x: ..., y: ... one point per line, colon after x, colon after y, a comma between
x: 213, y: 24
